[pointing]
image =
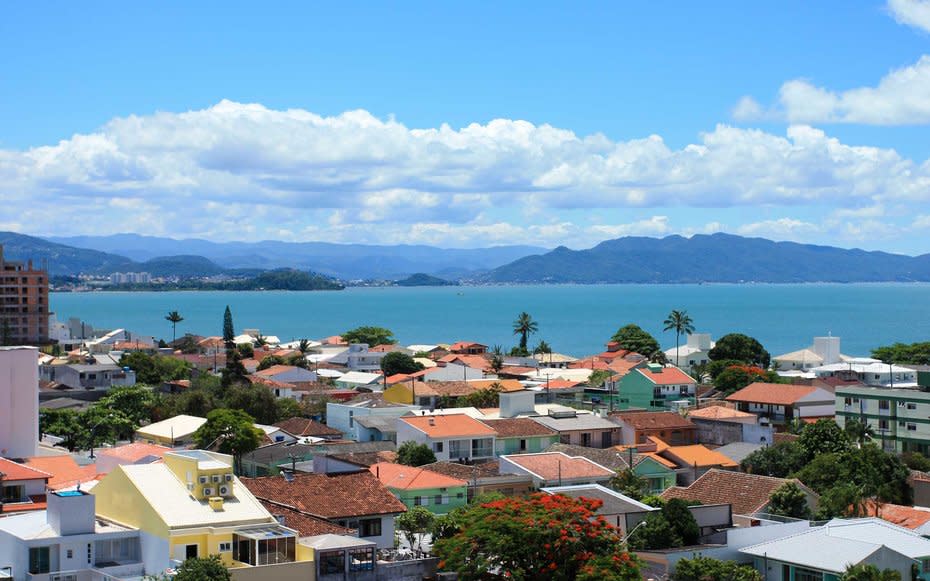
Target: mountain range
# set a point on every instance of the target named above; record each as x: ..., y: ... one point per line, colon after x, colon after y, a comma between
x: 673, y: 259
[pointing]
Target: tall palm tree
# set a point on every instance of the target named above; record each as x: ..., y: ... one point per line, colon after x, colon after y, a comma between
x: 681, y: 323
x: 303, y: 346
x: 497, y: 358
x: 524, y: 326
x: 174, y: 318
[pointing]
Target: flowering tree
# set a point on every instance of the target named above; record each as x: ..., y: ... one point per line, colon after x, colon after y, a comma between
x: 550, y: 537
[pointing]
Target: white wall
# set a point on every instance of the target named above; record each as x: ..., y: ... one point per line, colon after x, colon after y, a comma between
x: 19, y: 401
x: 454, y: 372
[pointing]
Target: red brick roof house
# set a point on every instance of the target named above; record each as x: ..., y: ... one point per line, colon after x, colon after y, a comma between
x: 305, y: 427
x: 782, y: 403
x: 748, y: 494
x: 672, y: 427
x: 23, y: 488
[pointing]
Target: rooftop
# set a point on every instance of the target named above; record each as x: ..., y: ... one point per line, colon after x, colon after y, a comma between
x: 34, y: 525
x: 747, y: 493
x: 403, y: 477
x: 670, y: 375
x: 777, y: 393
x: 134, y: 452
x: 14, y: 471
x: 612, y: 502
x: 654, y: 420
x: 345, y: 495
x: 306, y: 525
x: 302, y: 427
x: 556, y: 466
x: 180, y: 426
x: 720, y: 413
x: 579, y: 422
x: 64, y: 470
x: 518, y: 428
x: 448, y: 426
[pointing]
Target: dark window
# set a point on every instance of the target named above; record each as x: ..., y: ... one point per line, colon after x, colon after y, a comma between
x: 883, y: 404
x: 370, y: 527
x: 332, y: 562
x: 361, y: 560
x: 190, y: 551
x: 522, y: 445
x: 586, y: 439
x: 605, y: 440
x: 39, y: 560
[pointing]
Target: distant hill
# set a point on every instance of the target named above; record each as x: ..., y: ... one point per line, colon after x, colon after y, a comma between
x: 421, y: 279
x: 181, y: 266
x: 345, y: 261
x: 710, y: 258
x: 62, y: 259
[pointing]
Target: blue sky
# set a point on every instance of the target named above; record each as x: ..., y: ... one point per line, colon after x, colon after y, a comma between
x: 566, y: 124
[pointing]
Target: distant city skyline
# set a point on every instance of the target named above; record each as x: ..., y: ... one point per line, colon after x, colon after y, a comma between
x: 469, y: 125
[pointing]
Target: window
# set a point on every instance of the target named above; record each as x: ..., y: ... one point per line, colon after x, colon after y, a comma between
x: 418, y: 501
x: 586, y: 439
x: 855, y: 400
x: 911, y: 406
x: 225, y: 547
x: 437, y: 446
x: 69, y: 554
x: 439, y: 499
x: 13, y: 493
x: 523, y: 445
x: 361, y: 560
x: 883, y: 404
x: 39, y: 560
x: 900, y: 423
x: 332, y: 563
x: 369, y: 527
x: 882, y: 424
x: 807, y: 575
x: 912, y: 427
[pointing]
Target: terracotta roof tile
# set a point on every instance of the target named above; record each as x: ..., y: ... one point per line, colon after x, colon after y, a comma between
x: 328, y: 495
x: 303, y: 427
x: 307, y: 525
x: 518, y: 428
x: 446, y: 426
x: 134, y: 452
x: 554, y: 465
x: 772, y: 393
x: 909, y: 517
x: 64, y: 470
x: 653, y: 420
x: 465, y: 472
x: 719, y: 412
x: 667, y: 376
x: 404, y: 477
x: 13, y: 471
x: 747, y: 493
x: 698, y: 455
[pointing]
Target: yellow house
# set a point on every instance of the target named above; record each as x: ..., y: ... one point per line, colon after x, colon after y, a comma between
x: 428, y: 393
x: 195, y: 506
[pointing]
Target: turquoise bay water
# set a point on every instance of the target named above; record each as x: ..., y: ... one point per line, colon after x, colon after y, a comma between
x: 573, y: 319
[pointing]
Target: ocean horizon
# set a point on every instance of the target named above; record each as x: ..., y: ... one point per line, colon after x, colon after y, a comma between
x: 573, y: 319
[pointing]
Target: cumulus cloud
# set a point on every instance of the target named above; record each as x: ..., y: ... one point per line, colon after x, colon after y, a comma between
x: 914, y: 13
x: 244, y: 170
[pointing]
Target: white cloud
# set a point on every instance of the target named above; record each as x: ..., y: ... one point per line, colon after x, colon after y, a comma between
x: 914, y: 13
x: 242, y: 170
x: 748, y: 109
x: 780, y: 229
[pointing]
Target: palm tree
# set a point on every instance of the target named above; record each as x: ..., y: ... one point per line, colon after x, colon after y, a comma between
x: 524, y: 326
x: 681, y: 323
x: 174, y: 318
x: 497, y: 358
x: 303, y: 346
x: 869, y: 572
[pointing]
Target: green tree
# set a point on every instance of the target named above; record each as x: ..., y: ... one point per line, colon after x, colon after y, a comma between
x: 413, y: 524
x: 869, y: 572
x: 599, y: 376
x: 155, y: 369
x: 630, y: 484
x: 413, y: 454
x: 136, y: 403
x: 229, y: 332
x: 682, y: 520
x: 255, y: 400
x: 232, y: 430
x: 909, y: 354
x: 736, y: 377
x: 542, y: 348
x: 203, y: 569
x: 496, y: 360
x: 174, y: 318
x: 778, y: 460
x: 371, y: 336
x: 681, y: 323
x: 708, y: 569
x: 482, y: 398
x: 878, y: 474
x: 399, y: 362
x: 913, y: 460
x: 740, y: 348
x: 633, y: 338
x: 303, y: 346
x: 841, y: 501
x: 535, y: 538
x: 655, y: 533
x: 789, y: 500
x: 860, y: 431
x: 822, y: 437
x: 286, y: 407
x: 269, y: 361
x: 65, y: 424
x: 524, y: 326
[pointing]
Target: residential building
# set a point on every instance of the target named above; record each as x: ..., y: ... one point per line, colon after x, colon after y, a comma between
x: 19, y: 402
x: 307, y: 428
x: 174, y: 432
x: 21, y: 488
x: 23, y: 303
x: 193, y: 505
x: 521, y: 435
x: 358, y: 357
x: 782, y: 403
x: 900, y: 418
x: 749, y: 494
x: 720, y: 425
x: 413, y: 486
x: 691, y: 461
x: 129, y: 454
x: 658, y: 472
x: 915, y: 518
x: 450, y: 437
x: 468, y: 348
x: 65, y: 472
x: 617, y: 509
x: 825, y: 552
x: 582, y: 429
x: 484, y: 478
x: 360, y: 379
x: 824, y: 351
x: 695, y: 352
x: 555, y: 469
x: 288, y: 374
x: 738, y: 451
x: 355, y: 500
x: 89, y: 376
x: 656, y: 387
x: 68, y: 540
x: 871, y: 372
x: 671, y: 427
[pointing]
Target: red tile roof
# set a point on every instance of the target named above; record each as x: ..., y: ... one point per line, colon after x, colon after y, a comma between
x: 330, y: 496
x: 14, y: 471
x: 134, y: 452
x: 772, y: 393
x: 719, y: 412
x: 303, y: 427
x: 448, y: 426
x: 256, y: 379
x: 462, y: 345
x: 747, y: 493
x: 654, y: 420
x: 552, y: 466
x: 64, y: 470
x: 518, y: 428
x: 666, y: 376
x: 403, y: 477
x: 307, y: 525
x: 909, y: 517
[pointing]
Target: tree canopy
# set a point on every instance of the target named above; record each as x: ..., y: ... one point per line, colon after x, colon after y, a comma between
x: 232, y: 430
x: 540, y: 537
x: 524, y: 326
x: 869, y: 572
x: 682, y: 324
x: 203, y: 569
x: 907, y: 353
x: 398, y: 362
x: 708, y: 569
x: 634, y: 338
x: 155, y: 369
x: 736, y: 377
x: 789, y: 500
x: 740, y: 348
x: 673, y: 526
x: 413, y: 454
x: 370, y: 336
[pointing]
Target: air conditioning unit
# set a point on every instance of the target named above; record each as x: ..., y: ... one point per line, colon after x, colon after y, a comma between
x: 217, y: 478
x: 224, y: 491
x: 229, y: 478
x: 203, y: 479
x: 207, y: 491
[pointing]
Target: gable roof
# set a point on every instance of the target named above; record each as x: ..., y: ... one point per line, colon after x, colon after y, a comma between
x: 553, y: 466
x: 518, y: 428
x: 344, y: 495
x: 64, y: 470
x: 670, y: 375
x: 404, y: 477
x: 612, y: 502
x: 448, y: 426
x: 135, y: 451
x: 14, y: 472
x: 303, y: 427
x: 698, y: 455
x: 654, y: 420
x: 611, y: 458
x: 747, y: 493
x: 719, y: 413
x: 467, y: 472
x: 306, y: 525
x: 909, y: 517
x: 777, y: 393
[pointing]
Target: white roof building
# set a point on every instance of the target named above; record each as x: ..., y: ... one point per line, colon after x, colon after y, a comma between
x: 173, y: 431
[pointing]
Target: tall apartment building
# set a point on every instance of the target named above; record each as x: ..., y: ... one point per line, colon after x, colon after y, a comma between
x: 23, y: 303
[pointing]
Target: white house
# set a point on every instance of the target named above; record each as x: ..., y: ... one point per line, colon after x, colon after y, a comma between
x: 19, y: 401
x: 693, y: 353
x: 871, y: 372
x: 358, y: 358
x: 824, y: 351
x: 354, y: 379
x: 344, y: 416
x: 450, y: 437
